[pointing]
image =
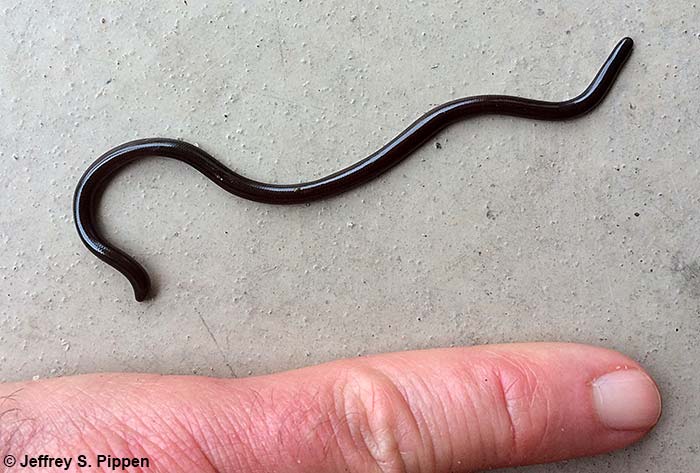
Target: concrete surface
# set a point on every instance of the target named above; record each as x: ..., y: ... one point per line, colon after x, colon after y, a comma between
x: 511, y: 230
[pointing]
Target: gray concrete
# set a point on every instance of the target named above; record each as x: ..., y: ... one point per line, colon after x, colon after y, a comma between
x: 511, y: 230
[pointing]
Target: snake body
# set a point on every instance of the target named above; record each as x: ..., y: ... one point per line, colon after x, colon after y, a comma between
x: 98, y: 175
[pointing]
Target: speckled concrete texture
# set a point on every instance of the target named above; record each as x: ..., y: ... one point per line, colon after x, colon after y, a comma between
x: 499, y: 230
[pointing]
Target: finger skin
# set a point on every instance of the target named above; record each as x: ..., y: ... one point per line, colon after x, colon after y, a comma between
x: 457, y: 409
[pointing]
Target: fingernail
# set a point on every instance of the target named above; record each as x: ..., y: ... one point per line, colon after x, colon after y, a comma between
x: 627, y: 400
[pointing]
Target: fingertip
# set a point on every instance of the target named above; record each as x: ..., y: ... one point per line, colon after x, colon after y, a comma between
x: 624, y: 395
x: 627, y: 400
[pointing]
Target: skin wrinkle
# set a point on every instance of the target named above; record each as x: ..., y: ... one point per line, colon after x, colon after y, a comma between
x: 59, y: 438
x: 188, y: 438
x: 123, y: 433
x: 219, y: 436
x: 289, y: 423
x: 150, y: 447
x: 325, y: 432
x: 408, y: 421
x: 462, y: 401
x: 486, y: 424
x: 235, y: 424
x: 177, y: 442
x: 202, y: 440
x: 386, y: 452
x: 508, y: 410
x: 458, y: 407
x: 521, y: 392
x: 429, y: 427
x: 538, y: 396
x: 238, y: 458
x: 442, y: 422
x: 436, y: 404
x: 336, y: 424
x: 58, y: 430
x: 303, y: 412
x: 351, y: 455
x: 298, y: 414
x: 425, y: 459
x: 299, y: 411
x: 118, y: 442
x: 89, y: 408
x: 356, y: 397
x: 247, y: 432
x: 432, y: 404
x: 482, y: 432
x: 462, y: 408
x: 448, y: 417
x: 67, y: 445
x: 127, y: 450
x: 367, y: 435
x: 234, y: 414
x: 333, y: 442
x: 126, y: 434
x: 342, y: 422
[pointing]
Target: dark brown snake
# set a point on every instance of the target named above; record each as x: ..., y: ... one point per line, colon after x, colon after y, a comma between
x: 98, y: 175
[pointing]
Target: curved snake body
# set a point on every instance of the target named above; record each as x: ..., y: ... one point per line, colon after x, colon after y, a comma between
x: 98, y: 175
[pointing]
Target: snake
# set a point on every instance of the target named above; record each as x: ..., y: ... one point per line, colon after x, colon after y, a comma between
x: 91, y: 185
